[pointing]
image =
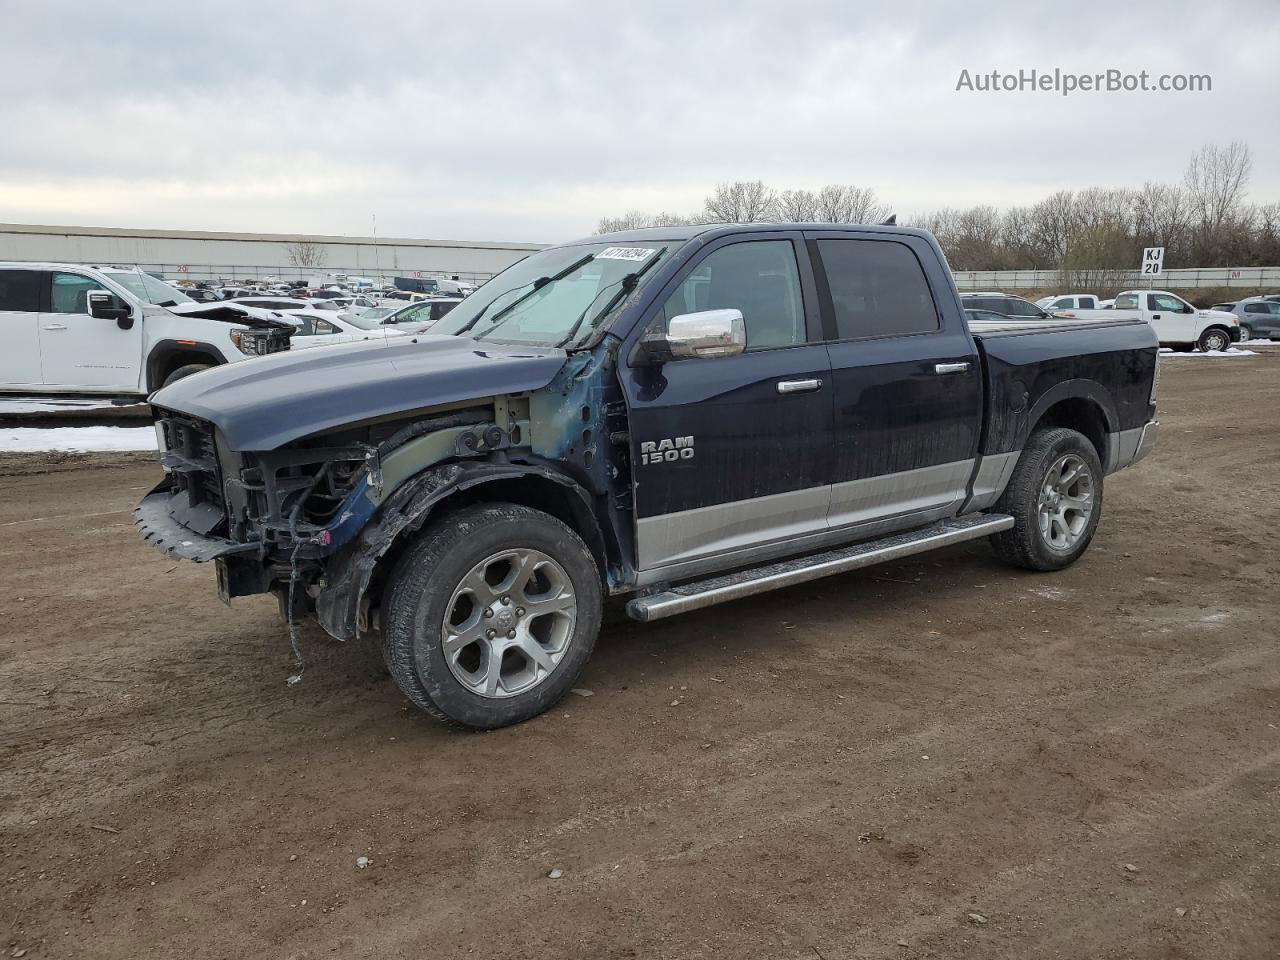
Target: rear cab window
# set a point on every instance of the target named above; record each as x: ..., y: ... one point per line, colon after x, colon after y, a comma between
x: 878, y: 289
x: 20, y: 291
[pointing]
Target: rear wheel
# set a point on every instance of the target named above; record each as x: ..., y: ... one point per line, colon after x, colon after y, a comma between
x: 492, y: 615
x: 1215, y: 339
x: 1055, y: 498
x: 185, y: 371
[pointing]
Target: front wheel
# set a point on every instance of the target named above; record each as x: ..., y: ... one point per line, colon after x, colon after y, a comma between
x: 185, y: 371
x: 1214, y: 340
x: 492, y: 615
x: 1245, y: 333
x: 1055, y: 498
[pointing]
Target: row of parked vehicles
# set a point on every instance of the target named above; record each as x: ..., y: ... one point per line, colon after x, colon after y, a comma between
x: 119, y: 332
x: 1179, y: 325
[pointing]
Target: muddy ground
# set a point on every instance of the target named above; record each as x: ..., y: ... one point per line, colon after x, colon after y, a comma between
x: 941, y: 757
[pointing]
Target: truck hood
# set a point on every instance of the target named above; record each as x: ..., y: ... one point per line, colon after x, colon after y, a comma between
x: 233, y: 313
x: 266, y: 402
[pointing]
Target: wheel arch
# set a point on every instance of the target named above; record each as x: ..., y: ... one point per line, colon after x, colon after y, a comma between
x: 168, y: 355
x: 357, y: 573
x: 1080, y: 405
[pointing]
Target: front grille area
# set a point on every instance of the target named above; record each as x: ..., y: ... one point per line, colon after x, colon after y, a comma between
x: 190, y: 456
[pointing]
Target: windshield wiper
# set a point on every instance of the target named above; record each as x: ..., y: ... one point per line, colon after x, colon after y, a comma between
x: 537, y: 285
x: 628, y: 283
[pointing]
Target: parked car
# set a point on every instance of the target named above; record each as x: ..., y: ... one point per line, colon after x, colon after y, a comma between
x: 323, y: 328
x: 319, y: 323
x: 1259, y: 316
x: 1106, y: 304
x: 413, y: 318
x: 1012, y: 307
x: 1178, y: 324
x: 201, y: 295
x: 76, y: 329
x: 1071, y: 301
x: 639, y: 414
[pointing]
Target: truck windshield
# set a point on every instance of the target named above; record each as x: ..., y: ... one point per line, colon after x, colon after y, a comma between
x: 557, y: 297
x: 148, y: 289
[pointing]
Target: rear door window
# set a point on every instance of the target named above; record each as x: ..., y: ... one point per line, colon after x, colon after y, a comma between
x: 878, y: 289
x: 20, y: 291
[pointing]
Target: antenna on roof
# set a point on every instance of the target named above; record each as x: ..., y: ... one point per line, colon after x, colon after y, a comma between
x: 891, y: 222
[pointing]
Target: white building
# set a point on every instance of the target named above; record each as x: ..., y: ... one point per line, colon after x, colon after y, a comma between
x: 200, y: 255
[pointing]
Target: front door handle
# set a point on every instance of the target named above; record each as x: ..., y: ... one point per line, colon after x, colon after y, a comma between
x: 951, y: 367
x: 798, y: 386
x: 55, y: 326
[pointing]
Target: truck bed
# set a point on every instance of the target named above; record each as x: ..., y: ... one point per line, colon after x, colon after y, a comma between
x: 1029, y: 366
x: 984, y: 329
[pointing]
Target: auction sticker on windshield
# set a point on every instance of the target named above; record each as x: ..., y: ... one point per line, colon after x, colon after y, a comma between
x: 624, y: 253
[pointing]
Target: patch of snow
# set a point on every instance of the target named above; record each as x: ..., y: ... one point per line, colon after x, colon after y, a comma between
x: 76, y: 439
x: 57, y: 405
x: 1233, y: 352
x: 1049, y: 593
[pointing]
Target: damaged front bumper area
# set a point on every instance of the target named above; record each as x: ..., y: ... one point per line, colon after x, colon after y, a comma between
x: 154, y: 519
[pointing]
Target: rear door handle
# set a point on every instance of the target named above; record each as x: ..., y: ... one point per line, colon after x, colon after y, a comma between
x: 55, y: 326
x: 951, y: 367
x: 798, y: 386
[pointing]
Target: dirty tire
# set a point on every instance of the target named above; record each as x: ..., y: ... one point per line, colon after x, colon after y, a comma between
x: 1214, y: 340
x: 422, y: 587
x: 185, y: 371
x: 1023, y: 545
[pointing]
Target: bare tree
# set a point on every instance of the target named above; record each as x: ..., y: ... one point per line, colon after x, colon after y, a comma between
x: 1216, y: 180
x: 743, y: 201
x: 305, y: 253
x: 797, y: 206
x: 1162, y: 218
x: 1206, y: 221
x: 631, y: 220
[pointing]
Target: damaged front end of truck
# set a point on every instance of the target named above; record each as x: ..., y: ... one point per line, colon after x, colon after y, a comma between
x: 312, y: 497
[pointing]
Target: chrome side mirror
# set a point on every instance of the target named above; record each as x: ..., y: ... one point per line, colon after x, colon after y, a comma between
x: 707, y: 333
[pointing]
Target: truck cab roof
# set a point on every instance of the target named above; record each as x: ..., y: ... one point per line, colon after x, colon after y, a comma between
x: 711, y: 231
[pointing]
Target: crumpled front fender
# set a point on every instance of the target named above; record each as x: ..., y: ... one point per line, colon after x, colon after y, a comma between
x: 351, y: 569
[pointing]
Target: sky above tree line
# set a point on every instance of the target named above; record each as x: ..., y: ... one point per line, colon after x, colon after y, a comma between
x: 509, y: 121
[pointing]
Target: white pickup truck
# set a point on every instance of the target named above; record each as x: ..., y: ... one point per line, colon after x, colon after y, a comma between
x: 1177, y: 323
x: 111, y: 331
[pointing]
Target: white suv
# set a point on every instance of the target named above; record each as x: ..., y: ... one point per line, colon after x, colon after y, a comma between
x: 75, y: 329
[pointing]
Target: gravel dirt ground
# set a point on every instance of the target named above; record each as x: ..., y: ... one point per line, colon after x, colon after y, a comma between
x: 941, y: 757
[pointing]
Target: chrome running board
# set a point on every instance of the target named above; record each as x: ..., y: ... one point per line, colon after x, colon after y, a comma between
x: 787, y: 573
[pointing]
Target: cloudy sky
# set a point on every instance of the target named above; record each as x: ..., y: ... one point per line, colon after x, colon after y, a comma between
x: 529, y: 121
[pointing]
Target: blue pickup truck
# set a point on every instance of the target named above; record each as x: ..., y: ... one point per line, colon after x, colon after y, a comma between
x: 680, y: 415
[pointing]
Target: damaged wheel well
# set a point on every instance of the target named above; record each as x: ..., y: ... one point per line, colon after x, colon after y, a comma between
x: 360, y: 572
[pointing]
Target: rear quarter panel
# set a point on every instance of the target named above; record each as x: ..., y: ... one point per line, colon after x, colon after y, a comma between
x: 1031, y: 370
